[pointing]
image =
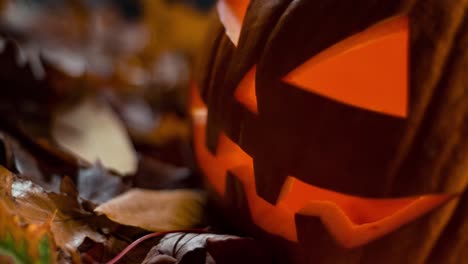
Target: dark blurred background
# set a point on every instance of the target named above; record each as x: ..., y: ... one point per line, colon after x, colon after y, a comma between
x: 137, y: 56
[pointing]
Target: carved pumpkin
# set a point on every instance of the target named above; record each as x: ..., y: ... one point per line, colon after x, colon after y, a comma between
x: 339, y: 128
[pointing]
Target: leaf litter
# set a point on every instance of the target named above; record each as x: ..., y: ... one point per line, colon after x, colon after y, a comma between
x: 68, y: 135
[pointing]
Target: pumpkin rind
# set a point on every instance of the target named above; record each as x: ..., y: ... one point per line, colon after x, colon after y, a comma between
x: 338, y: 147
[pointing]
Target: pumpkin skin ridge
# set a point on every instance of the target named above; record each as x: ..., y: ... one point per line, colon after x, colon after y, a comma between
x: 219, y: 70
x: 444, y: 249
x: 213, y: 132
x: 209, y: 64
x: 410, y: 140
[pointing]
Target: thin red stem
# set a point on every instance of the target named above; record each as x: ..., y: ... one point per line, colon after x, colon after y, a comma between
x: 143, y: 238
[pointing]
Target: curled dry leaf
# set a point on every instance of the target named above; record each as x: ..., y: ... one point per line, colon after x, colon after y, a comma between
x: 69, y: 222
x: 184, y: 248
x: 156, y: 210
x: 92, y: 131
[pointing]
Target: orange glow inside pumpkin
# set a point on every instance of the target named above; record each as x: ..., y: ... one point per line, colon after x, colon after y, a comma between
x: 238, y: 7
x: 368, y: 70
x: 232, y: 13
x: 351, y: 220
x: 245, y: 91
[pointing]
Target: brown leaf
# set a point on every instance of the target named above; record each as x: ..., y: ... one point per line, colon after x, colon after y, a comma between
x: 92, y: 131
x: 156, y: 210
x: 193, y: 248
x: 29, y: 243
x: 69, y: 221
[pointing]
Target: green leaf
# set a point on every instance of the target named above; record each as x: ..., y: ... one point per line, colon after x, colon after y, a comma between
x: 24, y: 243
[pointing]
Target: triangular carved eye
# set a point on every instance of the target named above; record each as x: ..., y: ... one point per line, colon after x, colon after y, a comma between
x: 368, y: 70
x: 231, y: 14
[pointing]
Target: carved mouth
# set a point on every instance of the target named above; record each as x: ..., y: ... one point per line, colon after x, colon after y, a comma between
x: 352, y: 221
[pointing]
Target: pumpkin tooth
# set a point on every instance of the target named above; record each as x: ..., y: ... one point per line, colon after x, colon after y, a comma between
x: 269, y: 180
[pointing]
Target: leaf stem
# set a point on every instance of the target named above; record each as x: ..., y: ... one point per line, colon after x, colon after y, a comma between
x: 155, y: 234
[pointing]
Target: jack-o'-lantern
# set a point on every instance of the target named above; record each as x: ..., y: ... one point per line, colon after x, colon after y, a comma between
x: 340, y: 127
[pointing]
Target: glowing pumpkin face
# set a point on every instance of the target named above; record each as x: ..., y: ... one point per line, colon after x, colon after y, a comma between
x: 323, y: 118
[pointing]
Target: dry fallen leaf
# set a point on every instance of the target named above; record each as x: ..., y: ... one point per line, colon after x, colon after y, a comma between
x: 207, y: 249
x: 156, y: 210
x: 70, y: 224
x: 93, y: 132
